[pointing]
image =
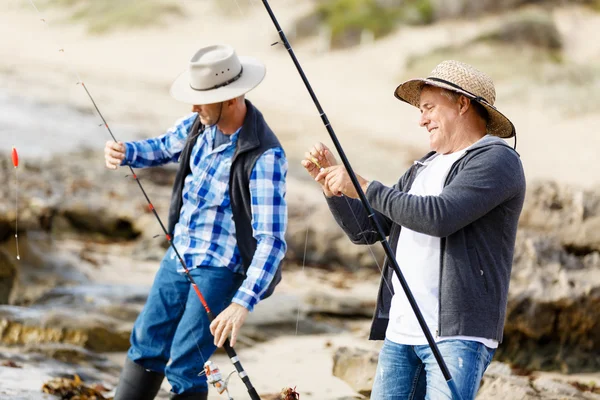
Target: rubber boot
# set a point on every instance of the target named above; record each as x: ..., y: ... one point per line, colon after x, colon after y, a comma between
x: 190, y: 396
x: 137, y: 383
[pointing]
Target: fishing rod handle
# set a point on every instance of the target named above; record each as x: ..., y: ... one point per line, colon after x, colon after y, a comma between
x: 240, y: 369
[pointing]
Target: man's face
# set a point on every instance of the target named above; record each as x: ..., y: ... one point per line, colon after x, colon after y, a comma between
x: 439, y: 115
x: 209, y: 113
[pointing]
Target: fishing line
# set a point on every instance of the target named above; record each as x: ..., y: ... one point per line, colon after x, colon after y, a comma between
x: 15, y: 161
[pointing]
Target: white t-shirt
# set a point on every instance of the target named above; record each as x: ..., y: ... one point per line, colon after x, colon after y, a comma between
x: 419, y: 258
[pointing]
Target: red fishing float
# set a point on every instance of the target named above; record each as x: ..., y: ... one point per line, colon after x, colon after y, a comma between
x: 15, y: 157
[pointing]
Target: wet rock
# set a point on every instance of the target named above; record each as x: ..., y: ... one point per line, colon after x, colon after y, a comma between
x: 25, y: 326
x: 96, y: 317
x: 122, y: 302
x: 42, y: 364
x: 40, y: 268
x: 8, y: 276
x: 71, y: 354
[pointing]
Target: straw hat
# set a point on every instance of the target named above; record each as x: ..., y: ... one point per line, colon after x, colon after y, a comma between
x: 466, y: 80
x: 217, y: 74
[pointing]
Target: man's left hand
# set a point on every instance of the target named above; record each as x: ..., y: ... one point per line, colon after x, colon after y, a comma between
x: 228, y: 322
x: 338, y: 181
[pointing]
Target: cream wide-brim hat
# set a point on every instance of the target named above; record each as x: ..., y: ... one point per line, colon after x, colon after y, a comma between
x: 216, y: 74
x: 466, y: 80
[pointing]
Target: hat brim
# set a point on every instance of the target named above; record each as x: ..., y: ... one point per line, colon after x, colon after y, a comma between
x: 253, y: 74
x: 498, y: 124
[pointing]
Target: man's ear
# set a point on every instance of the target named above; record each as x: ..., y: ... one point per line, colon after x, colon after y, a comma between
x: 464, y: 104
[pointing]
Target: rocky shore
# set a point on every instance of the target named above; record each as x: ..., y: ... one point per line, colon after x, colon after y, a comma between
x: 89, y: 250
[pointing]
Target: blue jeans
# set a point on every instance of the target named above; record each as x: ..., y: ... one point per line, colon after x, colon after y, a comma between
x: 411, y: 372
x: 174, y: 325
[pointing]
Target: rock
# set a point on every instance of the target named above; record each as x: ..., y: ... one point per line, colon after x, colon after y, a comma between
x: 497, y: 383
x: 570, y: 213
x: 26, y: 326
x: 39, y: 365
x: 71, y: 354
x: 531, y: 27
x: 314, y: 237
x: 40, y: 268
x: 356, y: 367
x: 66, y: 197
x: 122, y: 302
x: 8, y: 276
x: 553, y: 309
x: 497, y: 388
x: 341, y: 304
x: 87, y: 218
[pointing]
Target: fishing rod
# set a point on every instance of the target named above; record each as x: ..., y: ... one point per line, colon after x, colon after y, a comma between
x: 370, y: 212
x: 227, y: 345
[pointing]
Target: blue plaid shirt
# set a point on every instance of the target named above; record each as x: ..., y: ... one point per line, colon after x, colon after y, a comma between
x: 205, y: 233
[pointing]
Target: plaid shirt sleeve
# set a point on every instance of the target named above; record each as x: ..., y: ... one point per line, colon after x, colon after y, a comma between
x: 269, y: 222
x: 160, y: 150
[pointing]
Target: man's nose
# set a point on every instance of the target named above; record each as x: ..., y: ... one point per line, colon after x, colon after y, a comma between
x: 423, y: 121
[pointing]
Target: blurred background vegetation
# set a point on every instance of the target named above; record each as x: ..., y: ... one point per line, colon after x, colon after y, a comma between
x: 102, y: 16
x: 350, y: 22
x: 522, y: 33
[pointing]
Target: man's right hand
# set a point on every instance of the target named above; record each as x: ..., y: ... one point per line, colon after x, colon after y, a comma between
x: 321, y: 155
x: 114, y: 154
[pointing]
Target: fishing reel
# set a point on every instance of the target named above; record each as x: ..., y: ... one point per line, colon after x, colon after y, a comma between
x: 214, y: 377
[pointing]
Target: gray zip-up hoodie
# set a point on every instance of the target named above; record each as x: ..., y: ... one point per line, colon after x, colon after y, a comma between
x: 476, y: 217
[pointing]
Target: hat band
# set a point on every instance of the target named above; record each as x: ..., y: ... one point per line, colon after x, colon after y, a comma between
x: 235, y: 78
x: 475, y: 97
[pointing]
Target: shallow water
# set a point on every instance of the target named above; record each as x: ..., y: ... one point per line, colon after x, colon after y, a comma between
x: 41, y: 130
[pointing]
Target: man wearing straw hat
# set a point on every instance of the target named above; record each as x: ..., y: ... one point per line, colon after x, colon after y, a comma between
x: 227, y: 218
x: 452, y: 221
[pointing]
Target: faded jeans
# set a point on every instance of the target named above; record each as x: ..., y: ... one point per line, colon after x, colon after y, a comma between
x: 174, y: 325
x: 407, y: 372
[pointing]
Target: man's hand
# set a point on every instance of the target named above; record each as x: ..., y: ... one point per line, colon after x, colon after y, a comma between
x: 114, y: 154
x: 229, y: 321
x: 318, y: 158
x: 337, y: 180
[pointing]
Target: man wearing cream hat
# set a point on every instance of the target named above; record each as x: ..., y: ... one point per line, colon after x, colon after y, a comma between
x: 452, y: 221
x: 227, y: 219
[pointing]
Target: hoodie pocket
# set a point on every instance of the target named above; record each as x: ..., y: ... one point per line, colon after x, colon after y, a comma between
x: 478, y: 269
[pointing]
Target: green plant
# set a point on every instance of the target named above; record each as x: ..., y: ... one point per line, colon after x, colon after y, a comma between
x: 357, y: 15
x: 107, y: 15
